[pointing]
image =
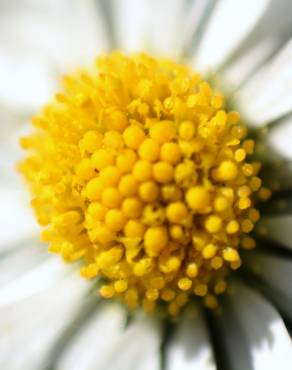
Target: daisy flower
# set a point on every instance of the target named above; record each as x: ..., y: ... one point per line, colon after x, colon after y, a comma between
x: 160, y: 174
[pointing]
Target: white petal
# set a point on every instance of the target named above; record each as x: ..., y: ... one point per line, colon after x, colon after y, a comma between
x: 195, y: 17
x: 164, y: 25
x: 230, y: 23
x: 35, y: 280
x: 190, y: 347
x: 267, y: 95
x: 278, y: 229
x: 277, y: 273
x: 21, y: 259
x: 280, y: 138
x: 150, y: 25
x: 138, y: 348
x: 239, y: 71
x: 69, y: 31
x: 129, y: 24
x: 253, y: 332
x: 40, y: 39
x: 261, y: 44
x: 25, y: 84
x: 29, y: 329
x: 94, y: 341
x: 16, y: 219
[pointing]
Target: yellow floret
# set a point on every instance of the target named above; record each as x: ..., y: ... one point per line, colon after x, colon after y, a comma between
x: 94, y: 189
x: 120, y: 286
x: 230, y: 255
x: 116, y: 121
x: 97, y: 211
x: 84, y: 169
x: 232, y: 227
x: 226, y: 171
x: 162, y: 172
x: 102, y: 235
x: 198, y: 199
x: 107, y: 291
x: 186, y: 130
x: 126, y: 160
x: 155, y: 240
x: 143, y: 170
x: 101, y: 159
x: 113, y: 140
x: 192, y: 270
x: 176, y: 212
x: 133, y: 137
x: 115, y: 220
x: 213, y: 224
x: 134, y: 229
x: 128, y: 186
x: 132, y: 207
x: 184, y: 284
x: 149, y: 191
x: 149, y: 150
x: 110, y: 176
x: 111, y: 198
x: 91, y: 142
x: 163, y: 131
x: 209, y: 251
x: 171, y: 153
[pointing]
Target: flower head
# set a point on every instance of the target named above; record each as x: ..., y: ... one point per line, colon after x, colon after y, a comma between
x: 145, y: 179
x: 137, y: 169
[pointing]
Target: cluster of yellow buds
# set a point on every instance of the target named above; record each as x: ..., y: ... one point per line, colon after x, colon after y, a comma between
x: 137, y: 170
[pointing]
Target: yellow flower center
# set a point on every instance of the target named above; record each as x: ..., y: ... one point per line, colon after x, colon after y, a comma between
x: 137, y: 170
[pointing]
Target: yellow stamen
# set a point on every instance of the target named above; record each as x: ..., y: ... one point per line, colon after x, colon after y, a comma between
x: 137, y: 170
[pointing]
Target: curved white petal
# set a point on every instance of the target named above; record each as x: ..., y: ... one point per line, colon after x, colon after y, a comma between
x: 26, y: 83
x: 194, y: 19
x: 267, y: 95
x: 190, y: 347
x: 277, y: 228
x: 138, y: 348
x: 239, y: 71
x: 40, y: 39
x: 129, y: 24
x: 94, y: 341
x: 150, y: 25
x: 69, y: 31
x: 230, y: 23
x: 165, y: 27
x: 29, y: 328
x: 253, y: 333
x: 33, y: 281
x: 261, y: 44
x: 280, y: 138
x: 277, y: 273
x: 16, y: 220
x: 21, y: 259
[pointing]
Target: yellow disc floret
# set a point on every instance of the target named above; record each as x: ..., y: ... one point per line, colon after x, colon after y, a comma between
x: 138, y: 171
